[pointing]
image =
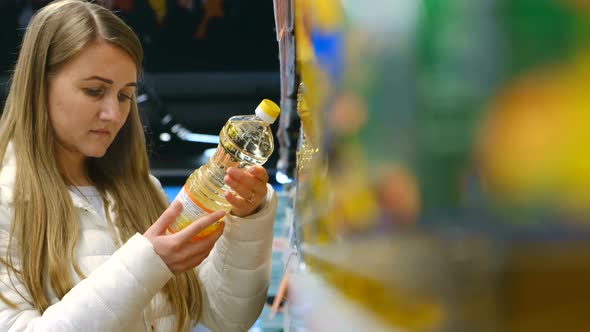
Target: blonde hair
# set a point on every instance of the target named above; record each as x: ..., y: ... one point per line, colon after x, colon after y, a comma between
x: 45, y: 222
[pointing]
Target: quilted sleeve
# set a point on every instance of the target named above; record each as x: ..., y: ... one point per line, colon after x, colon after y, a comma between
x: 108, y: 299
x: 235, y: 277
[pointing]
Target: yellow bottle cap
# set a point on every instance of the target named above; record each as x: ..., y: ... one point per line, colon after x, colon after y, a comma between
x: 269, y: 109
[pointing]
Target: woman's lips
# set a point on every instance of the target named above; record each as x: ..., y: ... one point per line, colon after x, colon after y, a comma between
x: 101, y: 132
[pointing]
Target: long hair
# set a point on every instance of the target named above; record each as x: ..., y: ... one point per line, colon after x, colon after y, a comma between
x: 45, y: 222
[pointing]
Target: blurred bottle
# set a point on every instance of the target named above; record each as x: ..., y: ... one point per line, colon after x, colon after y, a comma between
x: 308, y: 137
x: 244, y: 140
x: 311, y: 196
x: 532, y: 142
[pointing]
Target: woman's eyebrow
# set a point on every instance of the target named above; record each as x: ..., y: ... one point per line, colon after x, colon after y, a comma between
x: 106, y: 80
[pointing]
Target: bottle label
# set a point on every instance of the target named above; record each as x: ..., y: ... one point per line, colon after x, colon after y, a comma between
x: 192, y: 210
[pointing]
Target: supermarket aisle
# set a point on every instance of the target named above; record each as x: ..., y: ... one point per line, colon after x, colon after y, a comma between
x: 280, y: 246
x: 265, y: 323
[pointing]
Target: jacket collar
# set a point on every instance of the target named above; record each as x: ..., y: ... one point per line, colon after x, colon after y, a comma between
x: 8, y: 175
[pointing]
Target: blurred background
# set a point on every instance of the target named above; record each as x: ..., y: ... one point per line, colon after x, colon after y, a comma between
x: 442, y: 178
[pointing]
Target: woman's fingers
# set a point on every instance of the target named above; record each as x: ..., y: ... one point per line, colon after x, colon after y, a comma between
x: 198, y: 250
x: 259, y: 172
x: 179, y: 251
x: 199, y: 225
x: 248, y: 185
x: 167, y: 218
x: 253, y: 176
x: 237, y: 201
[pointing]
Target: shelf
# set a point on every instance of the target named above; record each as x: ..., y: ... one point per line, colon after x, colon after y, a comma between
x: 317, y: 306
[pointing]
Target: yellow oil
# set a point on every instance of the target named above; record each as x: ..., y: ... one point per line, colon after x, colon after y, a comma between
x: 394, y: 306
x: 244, y: 140
x: 183, y: 221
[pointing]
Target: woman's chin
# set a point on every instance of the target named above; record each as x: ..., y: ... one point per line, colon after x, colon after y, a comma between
x: 96, y: 153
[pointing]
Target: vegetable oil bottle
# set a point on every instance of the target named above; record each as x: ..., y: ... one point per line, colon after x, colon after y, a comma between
x: 244, y: 140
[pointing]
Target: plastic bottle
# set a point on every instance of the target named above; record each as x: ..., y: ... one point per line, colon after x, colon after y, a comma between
x: 244, y: 140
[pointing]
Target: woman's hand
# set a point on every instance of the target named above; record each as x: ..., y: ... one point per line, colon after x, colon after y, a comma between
x: 249, y: 185
x: 179, y: 251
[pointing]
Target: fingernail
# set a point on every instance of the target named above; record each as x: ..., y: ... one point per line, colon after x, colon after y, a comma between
x: 251, y: 169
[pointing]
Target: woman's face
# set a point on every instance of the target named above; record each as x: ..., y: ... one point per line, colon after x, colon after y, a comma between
x: 89, y: 100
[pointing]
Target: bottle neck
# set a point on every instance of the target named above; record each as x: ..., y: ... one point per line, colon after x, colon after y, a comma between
x: 257, y: 118
x: 260, y: 116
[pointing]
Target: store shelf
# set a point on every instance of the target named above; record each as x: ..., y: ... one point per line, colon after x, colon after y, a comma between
x: 407, y: 281
x: 316, y: 306
x: 385, y: 259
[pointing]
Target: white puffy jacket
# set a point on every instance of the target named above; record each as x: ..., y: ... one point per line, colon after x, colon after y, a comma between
x: 122, y: 288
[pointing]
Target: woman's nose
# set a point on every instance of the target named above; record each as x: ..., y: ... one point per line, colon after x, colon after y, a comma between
x: 109, y: 109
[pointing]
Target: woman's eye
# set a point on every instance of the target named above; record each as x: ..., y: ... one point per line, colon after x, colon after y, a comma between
x: 124, y: 97
x: 94, y: 92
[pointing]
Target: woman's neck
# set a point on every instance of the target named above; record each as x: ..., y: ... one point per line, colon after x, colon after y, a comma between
x: 73, y: 168
x: 75, y: 177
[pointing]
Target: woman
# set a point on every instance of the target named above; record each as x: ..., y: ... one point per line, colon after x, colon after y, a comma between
x: 79, y: 251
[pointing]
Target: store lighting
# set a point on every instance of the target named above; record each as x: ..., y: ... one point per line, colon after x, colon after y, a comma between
x: 165, y: 137
x: 187, y: 135
x: 282, y: 178
x: 141, y: 98
x: 209, y: 153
